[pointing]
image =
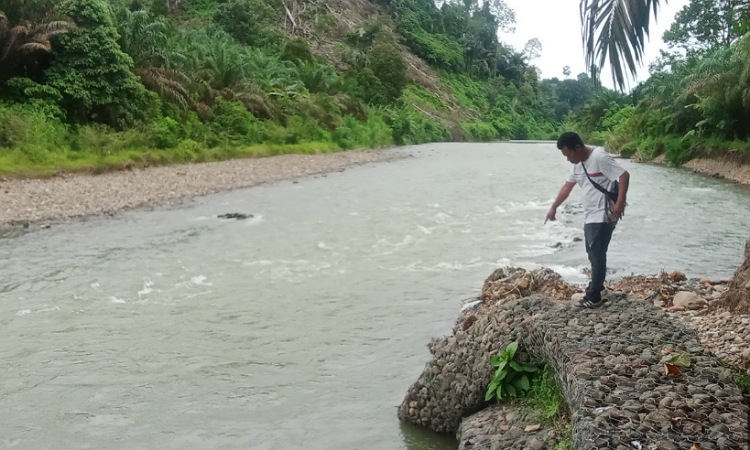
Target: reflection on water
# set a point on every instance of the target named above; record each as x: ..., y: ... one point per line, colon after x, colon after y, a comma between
x: 304, y: 327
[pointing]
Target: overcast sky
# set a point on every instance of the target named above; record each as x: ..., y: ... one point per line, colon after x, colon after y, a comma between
x: 557, y: 25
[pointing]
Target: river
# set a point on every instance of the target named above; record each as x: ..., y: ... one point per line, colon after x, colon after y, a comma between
x: 302, y: 327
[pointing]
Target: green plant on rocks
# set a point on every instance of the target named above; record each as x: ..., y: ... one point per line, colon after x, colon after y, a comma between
x: 511, y: 378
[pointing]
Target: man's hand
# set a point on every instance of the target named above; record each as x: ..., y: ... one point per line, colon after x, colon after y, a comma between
x: 618, y: 210
x: 551, y: 215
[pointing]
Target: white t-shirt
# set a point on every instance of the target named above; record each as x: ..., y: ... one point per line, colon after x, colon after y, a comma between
x: 603, y: 169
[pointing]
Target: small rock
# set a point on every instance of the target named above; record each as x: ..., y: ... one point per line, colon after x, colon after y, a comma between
x: 238, y: 216
x: 531, y: 428
x: 688, y: 300
x: 677, y: 276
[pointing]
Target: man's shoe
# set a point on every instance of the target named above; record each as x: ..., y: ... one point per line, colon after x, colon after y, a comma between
x: 590, y: 303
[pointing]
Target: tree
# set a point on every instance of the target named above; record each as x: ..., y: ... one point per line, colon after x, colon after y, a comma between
x: 703, y: 25
x: 532, y: 49
x: 27, y: 47
x: 33, y: 10
x: 388, y: 66
x: 566, y: 71
x: 93, y: 73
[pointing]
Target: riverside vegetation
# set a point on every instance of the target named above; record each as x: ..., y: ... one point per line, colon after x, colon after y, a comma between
x: 99, y: 85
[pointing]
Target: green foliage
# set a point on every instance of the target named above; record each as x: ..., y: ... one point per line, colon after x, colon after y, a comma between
x: 318, y: 77
x: 545, y: 396
x: 704, y: 25
x: 159, y: 7
x: 93, y: 74
x: 33, y: 10
x: 352, y: 133
x: 229, y: 86
x: 480, y: 131
x: 43, y: 98
x: 30, y: 132
x: 411, y: 127
x: 677, y: 151
x: 742, y: 379
x: 200, y: 8
x: 27, y: 46
x: 566, y: 443
x: 165, y: 133
x: 389, y: 68
x: 437, y: 49
x: 235, y: 123
x: 364, y: 36
x: 251, y: 22
x: 297, y: 51
x: 88, y: 13
x: 369, y: 88
x: 511, y: 377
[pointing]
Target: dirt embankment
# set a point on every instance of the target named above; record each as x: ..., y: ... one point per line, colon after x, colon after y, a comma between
x: 719, y: 167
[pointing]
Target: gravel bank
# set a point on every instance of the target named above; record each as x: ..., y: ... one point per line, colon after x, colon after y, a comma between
x: 67, y: 196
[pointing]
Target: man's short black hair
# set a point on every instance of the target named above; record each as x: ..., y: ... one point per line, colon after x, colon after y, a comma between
x: 570, y: 140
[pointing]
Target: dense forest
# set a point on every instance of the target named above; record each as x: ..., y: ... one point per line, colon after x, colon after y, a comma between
x: 96, y: 85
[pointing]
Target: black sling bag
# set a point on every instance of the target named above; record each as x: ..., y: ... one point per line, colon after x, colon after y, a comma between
x: 612, y: 195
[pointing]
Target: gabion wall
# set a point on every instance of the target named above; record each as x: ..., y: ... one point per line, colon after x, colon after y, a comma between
x: 608, y: 364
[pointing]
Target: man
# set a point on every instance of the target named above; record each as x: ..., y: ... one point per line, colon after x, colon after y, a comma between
x: 592, y: 166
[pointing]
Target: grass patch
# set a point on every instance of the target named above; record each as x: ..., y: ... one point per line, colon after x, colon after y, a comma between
x: 546, y: 400
x: 17, y: 163
x: 545, y: 397
x: 740, y: 377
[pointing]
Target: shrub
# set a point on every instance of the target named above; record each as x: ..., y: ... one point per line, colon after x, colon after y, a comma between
x: 480, y: 131
x: 389, y: 68
x: 165, y: 133
x: 233, y: 122
x: 32, y: 133
x: 297, y: 51
x: 511, y: 377
x: 41, y: 97
x: 252, y: 22
x: 677, y: 151
x: 352, y: 133
x: 409, y: 127
x: 369, y: 88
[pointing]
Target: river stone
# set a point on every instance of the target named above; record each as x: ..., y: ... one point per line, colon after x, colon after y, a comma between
x: 688, y: 300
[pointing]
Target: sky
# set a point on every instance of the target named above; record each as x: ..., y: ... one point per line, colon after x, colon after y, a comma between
x: 557, y: 25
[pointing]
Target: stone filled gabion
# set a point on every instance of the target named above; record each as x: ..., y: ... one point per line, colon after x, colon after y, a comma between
x: 608, y: 363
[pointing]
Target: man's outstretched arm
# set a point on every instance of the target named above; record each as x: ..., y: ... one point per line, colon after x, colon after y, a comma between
x: 565, y: 191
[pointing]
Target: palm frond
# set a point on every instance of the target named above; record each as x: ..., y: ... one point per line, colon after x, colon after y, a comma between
x: 15, y: 35
x: 616, y: 30
x: 166, y: 82
x: 54, y: 27
x: 37, y: 46
x: 3, y: 24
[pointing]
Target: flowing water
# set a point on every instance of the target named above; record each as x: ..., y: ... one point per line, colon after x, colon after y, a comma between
x: 302, y: 327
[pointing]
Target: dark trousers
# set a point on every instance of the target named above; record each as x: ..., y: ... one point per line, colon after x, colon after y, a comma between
x: 597, y: 236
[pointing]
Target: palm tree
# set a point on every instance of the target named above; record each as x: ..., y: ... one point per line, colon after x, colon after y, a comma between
x: 616, y: 29
x: 25, y: 46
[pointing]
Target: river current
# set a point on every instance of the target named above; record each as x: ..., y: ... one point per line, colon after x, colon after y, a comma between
x: 303, y: 326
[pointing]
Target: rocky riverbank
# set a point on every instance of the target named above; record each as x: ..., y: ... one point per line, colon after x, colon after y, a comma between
x: 29, y: 201
x: 729, y: 170
x: 723, y: 168
x: 608, y: 362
